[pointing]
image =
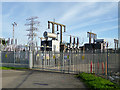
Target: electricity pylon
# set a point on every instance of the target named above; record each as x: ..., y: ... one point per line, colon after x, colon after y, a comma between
x: 31, y: 35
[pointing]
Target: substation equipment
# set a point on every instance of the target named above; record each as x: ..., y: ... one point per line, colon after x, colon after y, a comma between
x: 50, y: 45
x: 97, y: 43
x: 54, y: 44
x: 116, y: 44
x: 58, y: 46
x: 73, y: 46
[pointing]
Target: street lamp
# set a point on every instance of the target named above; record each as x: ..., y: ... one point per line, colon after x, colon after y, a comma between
x: 14, y: 24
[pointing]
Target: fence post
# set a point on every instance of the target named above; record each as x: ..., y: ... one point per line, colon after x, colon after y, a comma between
x: 70, y: 57
x: 30, y: 59
x: 0, y: 57
x: 1, y: 71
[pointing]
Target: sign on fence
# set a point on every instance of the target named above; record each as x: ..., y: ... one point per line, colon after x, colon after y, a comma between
x: 53, y: 56
x: 6, y: 55
x: 66, y: 56
x: 37, y: 55
x: 83, y: 57
x: 47, y: 56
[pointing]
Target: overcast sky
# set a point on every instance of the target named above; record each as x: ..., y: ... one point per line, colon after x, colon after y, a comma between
x: 79, y: 18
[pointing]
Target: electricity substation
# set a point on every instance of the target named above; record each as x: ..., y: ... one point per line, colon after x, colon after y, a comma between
x: 50, y: 41
x: 55, y: 54
x: 53, y: 41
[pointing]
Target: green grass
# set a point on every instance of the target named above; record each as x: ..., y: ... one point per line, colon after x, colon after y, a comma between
x: 95, y: 82
x: 9, y: 68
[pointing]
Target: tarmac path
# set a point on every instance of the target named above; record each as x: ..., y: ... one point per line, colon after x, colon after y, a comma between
x: 38, y: 79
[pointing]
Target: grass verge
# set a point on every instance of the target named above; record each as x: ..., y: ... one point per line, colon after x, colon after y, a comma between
x: 95, y: 82
x: 9, y: 68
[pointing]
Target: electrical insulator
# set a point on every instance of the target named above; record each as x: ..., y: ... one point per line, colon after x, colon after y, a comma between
x: 57, y: 27
x: 70, y: 38
x: 64, y: 28
x: 16, y: 41
x: 77, y: 40
x: 74, y: 40
x: 107, y: 44
x: 48, y: 25
x: 11, y: 41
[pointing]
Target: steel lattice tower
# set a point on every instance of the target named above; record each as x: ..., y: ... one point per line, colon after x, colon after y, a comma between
x: 32, y: 34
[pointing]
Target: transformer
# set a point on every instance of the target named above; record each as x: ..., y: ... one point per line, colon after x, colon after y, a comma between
x: 50, y: 45
x: 49, y: 35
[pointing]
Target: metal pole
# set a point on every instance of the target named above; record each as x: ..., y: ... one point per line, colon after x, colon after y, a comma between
x: 70, y: 58
x: 0, y: 57
x: 61, y: 59
x: 117, y: 45
x: 60, y: 34
x: 13, y: 33
x: 14, y: 54
x: 52, y: 28
x: 30, y: 59
x: 90, y: 39
x: 45, y: 57
x: 93, y: 57
x: 107, y: 61
x: 63, y: 63
x: 13, y: 44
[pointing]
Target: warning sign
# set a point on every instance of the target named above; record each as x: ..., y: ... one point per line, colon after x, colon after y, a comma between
x: 47, y: 56
x: 37, y: 55
x: 67, y: 56
x: 6, y: 55
x: 83, y: 57
x: 53, y: 56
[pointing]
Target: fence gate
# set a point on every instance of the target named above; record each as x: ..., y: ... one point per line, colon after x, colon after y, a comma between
x: 52, y: 61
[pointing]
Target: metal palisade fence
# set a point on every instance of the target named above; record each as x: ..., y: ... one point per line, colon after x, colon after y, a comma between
x: 15, y: 59
x: 106, y: 64
x: 77, y: 61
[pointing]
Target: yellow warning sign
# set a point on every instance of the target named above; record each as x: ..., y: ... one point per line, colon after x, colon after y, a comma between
x: 37, y: 55
x: 6, y: 55
x: 83, y: 57
x: 53, y: 56
x: 67, y: 56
